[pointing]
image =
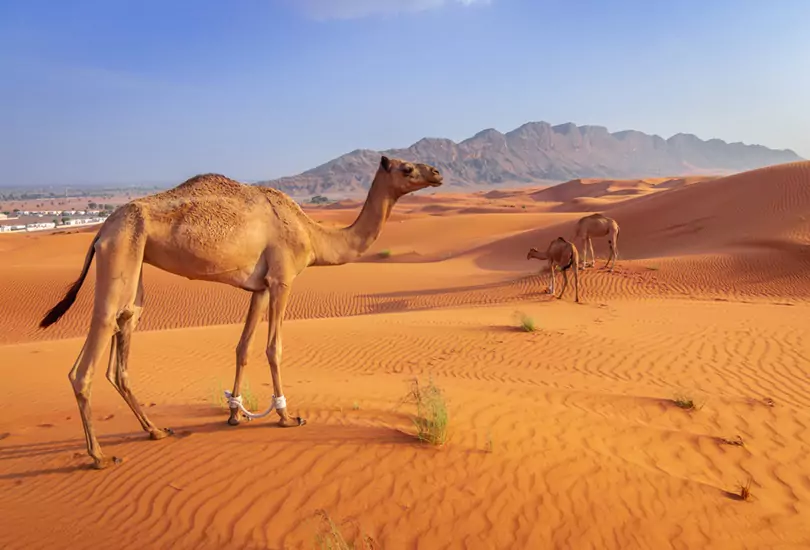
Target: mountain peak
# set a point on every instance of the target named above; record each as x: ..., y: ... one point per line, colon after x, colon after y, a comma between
x: 537, y: 152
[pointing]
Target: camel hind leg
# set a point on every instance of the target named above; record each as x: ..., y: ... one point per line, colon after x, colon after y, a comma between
x: 565, y: 284
x: 127, y: 321
x: 614, y: 252
x: 118, y: 267
x: 615, y: 242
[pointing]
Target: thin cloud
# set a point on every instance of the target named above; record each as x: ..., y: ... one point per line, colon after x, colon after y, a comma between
x: 355, y: 9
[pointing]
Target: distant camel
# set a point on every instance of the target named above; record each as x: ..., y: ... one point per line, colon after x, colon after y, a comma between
x: 597, y: 225
x: 213, y: 228
x: 564, y: 254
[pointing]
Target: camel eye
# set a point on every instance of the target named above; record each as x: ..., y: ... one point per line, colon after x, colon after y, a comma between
x: 408, y: 170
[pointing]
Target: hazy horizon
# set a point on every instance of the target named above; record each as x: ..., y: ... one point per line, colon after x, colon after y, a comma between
x: 141, y: 93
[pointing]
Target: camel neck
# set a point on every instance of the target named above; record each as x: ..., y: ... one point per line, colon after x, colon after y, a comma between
x: 339, y: 246
x: 369, y: 223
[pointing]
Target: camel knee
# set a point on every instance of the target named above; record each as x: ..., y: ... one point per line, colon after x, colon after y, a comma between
x: 80, y: 385
x: 118, y: 378
x: 242, y: 351
x: 127, y: 318
x: 273, y: 353
x: 112, y: 377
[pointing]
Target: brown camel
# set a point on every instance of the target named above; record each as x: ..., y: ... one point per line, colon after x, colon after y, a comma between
x: 560, y: 253
x: 213, y: 228
x: 597, y: 225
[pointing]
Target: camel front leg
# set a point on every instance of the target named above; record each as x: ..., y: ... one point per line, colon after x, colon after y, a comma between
x: 279, y: 294
x: 551, y: 275
x: 258, y: 306
x: 593, y: 257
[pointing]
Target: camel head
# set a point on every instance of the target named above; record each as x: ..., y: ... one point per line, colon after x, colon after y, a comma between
x: 403, y: 177
x: 532, y: 253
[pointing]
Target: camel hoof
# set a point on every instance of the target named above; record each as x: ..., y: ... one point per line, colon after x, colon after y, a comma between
x: 233, y: 420
x: 292, y: 422
x: 104, y: 462
x: 160, y: 434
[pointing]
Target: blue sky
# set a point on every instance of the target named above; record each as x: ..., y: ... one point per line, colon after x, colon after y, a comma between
x: 155, y: 91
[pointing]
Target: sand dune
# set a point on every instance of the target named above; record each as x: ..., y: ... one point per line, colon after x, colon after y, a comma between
x: 565, y: 437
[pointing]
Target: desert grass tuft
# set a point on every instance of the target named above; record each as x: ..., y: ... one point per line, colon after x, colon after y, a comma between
x: 686, y: 403
x: 385, y: 253
x: 249, y: 398
x: 432, y: 419
x: 525, y: 323
x: 737, y: 442
x: 744, y: 490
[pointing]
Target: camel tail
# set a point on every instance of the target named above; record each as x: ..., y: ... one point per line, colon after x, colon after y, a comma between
x: 61, y: 308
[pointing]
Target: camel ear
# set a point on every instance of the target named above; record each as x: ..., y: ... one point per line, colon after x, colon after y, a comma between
x: 385, y: 162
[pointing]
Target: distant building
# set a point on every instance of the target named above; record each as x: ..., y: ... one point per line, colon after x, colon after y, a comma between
x: 41, y: 226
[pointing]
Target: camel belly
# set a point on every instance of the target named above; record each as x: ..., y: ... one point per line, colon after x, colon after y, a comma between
x: 240, y: 268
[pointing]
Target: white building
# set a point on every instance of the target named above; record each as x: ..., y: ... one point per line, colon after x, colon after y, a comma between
x: 40, y: 226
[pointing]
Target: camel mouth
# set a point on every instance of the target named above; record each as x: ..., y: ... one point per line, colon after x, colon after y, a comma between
x: 435, y: 183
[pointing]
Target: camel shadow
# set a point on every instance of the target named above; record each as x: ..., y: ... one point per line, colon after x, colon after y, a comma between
x: 311, y: 433
x: 46, y: 471
x: 30, y: 450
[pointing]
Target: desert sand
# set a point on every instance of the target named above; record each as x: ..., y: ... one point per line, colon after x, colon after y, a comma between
x: 565, y: 437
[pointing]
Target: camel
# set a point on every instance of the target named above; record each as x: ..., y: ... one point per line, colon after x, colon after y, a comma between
x: 597, y: 225
x: 213, y: 228
x: 560, y: 253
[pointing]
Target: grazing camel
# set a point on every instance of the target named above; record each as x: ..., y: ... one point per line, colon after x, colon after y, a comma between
x: 215, y: 229
x: 564, y: 254
x: 597, y: 225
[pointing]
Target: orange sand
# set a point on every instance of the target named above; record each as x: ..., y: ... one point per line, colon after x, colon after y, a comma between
x: 565, y: 437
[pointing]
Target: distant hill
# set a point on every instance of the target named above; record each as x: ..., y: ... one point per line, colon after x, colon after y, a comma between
x: 538, y: 153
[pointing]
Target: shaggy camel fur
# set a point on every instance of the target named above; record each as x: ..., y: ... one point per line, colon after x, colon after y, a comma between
x: 564, y: 254
x: 597, y: 225
x: 215, y: 229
